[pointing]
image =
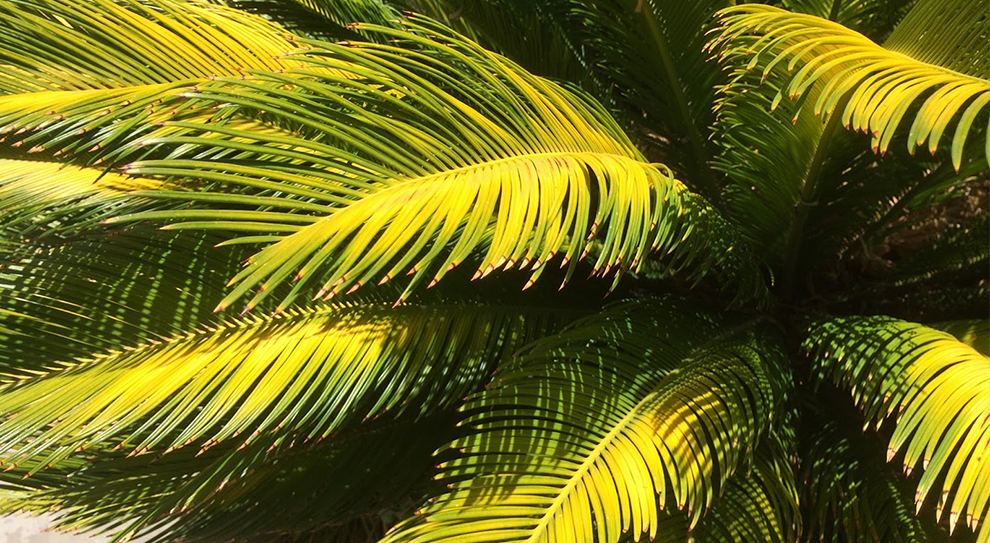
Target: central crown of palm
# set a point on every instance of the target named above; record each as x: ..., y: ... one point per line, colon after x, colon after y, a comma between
x: 255, y: 255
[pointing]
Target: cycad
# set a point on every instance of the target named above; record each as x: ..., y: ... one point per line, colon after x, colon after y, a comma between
x: 340, y: 261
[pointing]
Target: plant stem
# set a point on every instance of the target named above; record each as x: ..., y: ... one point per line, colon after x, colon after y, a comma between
x: 809, y: 195
x: 833, y: 14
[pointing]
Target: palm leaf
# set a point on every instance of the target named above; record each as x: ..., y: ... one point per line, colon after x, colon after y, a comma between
x: 933, y: 388
x: 353, y: 481
x: 593, y: 432
x: 872, y: 18
x: 882, y: 84
x: 102, y: 44
x: 310, y: 370
x: 972, y: 332
x: 759, y: 505
x: 486, y: 148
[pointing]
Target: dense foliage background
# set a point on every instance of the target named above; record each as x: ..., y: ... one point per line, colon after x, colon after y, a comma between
x: 541, y: 270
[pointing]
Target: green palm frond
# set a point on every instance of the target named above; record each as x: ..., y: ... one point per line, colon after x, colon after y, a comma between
x: 309, y: 370
x: 98, y: 293
x: 872, y: 18
x: 852, y: 496
x: 323, y: 19
x: 772, y: 156
x: 881, y: 84
x: 593, y: 432
x: 352, y: 481
x: 934, y: 390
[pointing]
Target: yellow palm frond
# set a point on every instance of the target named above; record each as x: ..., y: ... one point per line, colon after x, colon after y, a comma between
x: 307, y: 370
x: 933, y: 388
x: 881, y: 84
x: 104, y: 44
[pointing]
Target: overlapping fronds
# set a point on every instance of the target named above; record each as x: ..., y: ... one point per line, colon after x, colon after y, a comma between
x: 760, y: 504
x: 772, y: 156
x: 97, y: 293
x: 853, y: 496
x: 594, y: 432
x: 880, y: 85
x: 872, y: 18
x: 102, y: 44
x: 309, y: 370
x: 39, y: 199
x: 429, y: 156
x: 936, y: 392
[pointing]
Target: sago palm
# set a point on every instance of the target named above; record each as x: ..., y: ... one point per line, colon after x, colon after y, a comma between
x: 521, y: 270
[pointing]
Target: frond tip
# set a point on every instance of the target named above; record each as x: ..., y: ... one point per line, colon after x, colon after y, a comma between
x: 935, y: 389
x: 882, y: 84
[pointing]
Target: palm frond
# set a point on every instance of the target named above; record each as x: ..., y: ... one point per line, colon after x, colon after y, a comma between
x: 759, y: 505
x: 772, y: 156
x: 972, y: 332
x: 307, y: 370
x: 934, y: 390
x: 480, y: 127
x: 103, y: 44
x: 323, y: 19
x: 872, y: 18
x: 593, y: 432
x: 349, y: 482
x: 881, y: 84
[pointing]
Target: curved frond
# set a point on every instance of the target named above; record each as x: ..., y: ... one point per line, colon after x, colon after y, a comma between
x: 594, y: 432
x: 103, y: 44
x: 881, y: 84
x: 435, y: 153
x: 308, y: 370
x: 936, y: 392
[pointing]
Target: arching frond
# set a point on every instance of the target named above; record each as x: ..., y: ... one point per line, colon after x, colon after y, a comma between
x: 592, y: 432
x: 103, y: 44
x: 881, y: 84
x: 308, y: 370
x: 441, y: 153
x: 934, y: 389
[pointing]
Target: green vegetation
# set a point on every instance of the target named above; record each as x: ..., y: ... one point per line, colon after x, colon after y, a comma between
x: 512, y: 270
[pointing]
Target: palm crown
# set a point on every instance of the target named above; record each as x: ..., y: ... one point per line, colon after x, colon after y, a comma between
x: 262, y: 268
